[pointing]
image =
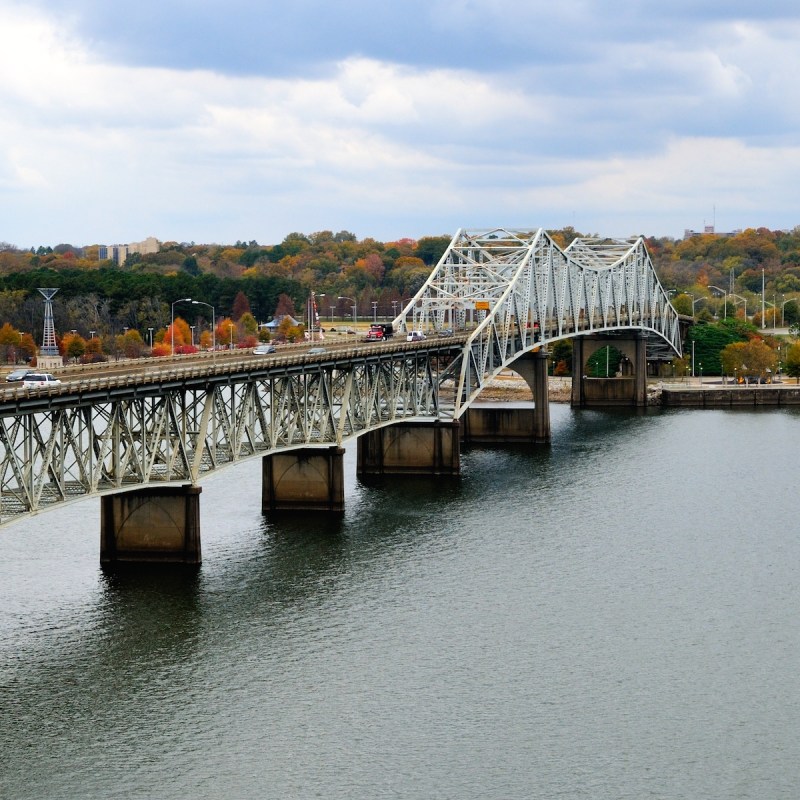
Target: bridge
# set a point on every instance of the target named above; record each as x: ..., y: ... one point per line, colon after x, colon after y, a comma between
x: 497, y: 299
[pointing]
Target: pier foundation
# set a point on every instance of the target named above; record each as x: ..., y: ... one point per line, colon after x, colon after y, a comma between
x: 309, y: 479
x: 410, y: 448
x: 151, y: 525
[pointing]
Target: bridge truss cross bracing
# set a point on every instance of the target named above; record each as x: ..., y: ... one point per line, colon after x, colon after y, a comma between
x: 109, y: 435
x: 520, y: 291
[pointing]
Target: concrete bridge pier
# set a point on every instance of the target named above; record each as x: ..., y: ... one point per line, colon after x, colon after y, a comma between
x: 308, y: 479
x: 628, y: 389
x: 151, y: 525
x: 503, y: 422
x: 410, y: 448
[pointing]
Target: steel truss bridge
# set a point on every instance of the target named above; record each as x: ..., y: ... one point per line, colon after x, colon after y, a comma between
x: 502, y: 293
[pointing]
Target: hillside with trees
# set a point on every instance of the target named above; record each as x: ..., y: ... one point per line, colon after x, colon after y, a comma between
x: 713, y: 278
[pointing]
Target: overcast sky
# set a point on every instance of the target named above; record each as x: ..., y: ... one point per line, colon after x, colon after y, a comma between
x: 218, y: 120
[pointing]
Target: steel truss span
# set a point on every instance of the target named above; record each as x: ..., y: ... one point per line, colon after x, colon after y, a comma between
x: 67, y: 445
x: 518, y: 291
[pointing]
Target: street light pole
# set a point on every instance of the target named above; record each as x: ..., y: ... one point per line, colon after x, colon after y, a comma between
x: 151, y: 337
x: 374, y: 310
x: 355, y: 310
x: 725, y: 300
x: 213, y: 323
x: 172, y: 323
x: 783, y: 319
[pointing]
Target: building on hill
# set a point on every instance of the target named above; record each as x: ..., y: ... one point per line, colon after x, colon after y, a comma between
x: 708, y: 230
x: 119, y: 253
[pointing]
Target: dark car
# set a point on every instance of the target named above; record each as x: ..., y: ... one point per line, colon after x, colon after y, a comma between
x: 316, y: 351
x: 263, y: 349
x: 18, y: 374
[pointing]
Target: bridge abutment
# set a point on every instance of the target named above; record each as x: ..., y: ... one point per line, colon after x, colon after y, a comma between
x: 152, y: 525
x: 411, y: 448
x: 628, y: 389
x: 309, y: 479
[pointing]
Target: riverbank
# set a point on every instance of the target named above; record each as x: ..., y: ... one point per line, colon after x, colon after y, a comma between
x: 718, y: 395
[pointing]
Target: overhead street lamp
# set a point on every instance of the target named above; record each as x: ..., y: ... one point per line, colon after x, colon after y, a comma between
x: 741, y: 299
x: 355, y: 317
x: 172, y: 323
x: 151, y: 337
x: 213, y: 323
x: 725, y: 299
x: 790, y: 300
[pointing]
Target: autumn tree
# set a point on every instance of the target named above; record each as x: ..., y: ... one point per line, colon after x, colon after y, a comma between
x: 285, y: 307
x: 241, y: 305
x: 178, y: 333
x: 9, y: 342
x: 74, y: 346
x: 226, y: 332
x: 751, y: 359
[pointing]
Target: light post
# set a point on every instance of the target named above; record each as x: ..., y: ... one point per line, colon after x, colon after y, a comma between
x: 213, y: 323
x: 741, y: 299
x: 91, y: 334
x: 150, y: 330
x: 790, y: 300
x: 172, y: 323
x: 374, y: 310
x: 693, y: 358
x: 725, y: 300
x: 763, y: 318
x: 355, y: 315
x: 700, y: 365
x: 191, y: 328
x: 395, y: 303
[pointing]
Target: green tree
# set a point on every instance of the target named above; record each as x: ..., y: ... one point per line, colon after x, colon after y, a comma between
x: 792, y: 363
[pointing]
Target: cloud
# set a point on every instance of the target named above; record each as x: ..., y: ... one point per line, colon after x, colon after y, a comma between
x: 520, y: 116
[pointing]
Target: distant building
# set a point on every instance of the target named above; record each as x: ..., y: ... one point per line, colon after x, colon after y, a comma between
x: 708, y: 230
x: 119, y: 253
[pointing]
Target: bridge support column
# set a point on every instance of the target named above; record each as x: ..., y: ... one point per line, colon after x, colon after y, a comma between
x: 310, y: 479
x: 627, y: 389
x: 410, y: 448
x: 152, y: 525
x: 507, y: 423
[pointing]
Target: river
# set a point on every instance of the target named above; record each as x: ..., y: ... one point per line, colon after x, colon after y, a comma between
x: 614, y: 616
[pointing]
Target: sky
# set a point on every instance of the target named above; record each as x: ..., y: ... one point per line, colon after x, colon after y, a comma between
x: 221, y: 120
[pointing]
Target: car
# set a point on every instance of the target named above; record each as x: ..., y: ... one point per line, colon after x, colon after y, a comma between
x: 316, y: 351
x: 415, y: 336
x: 446, y: 332
x: 40, y: 380
x: 18, y: 374
x: 263, y: 349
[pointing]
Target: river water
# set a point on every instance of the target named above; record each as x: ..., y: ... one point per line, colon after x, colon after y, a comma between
x: 615, y: 616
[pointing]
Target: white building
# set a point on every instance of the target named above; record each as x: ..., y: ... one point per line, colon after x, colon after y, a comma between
x: 119, y: 253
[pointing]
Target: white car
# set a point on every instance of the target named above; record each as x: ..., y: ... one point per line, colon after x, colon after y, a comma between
x: 39, y: 380
x: 415, y: 336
